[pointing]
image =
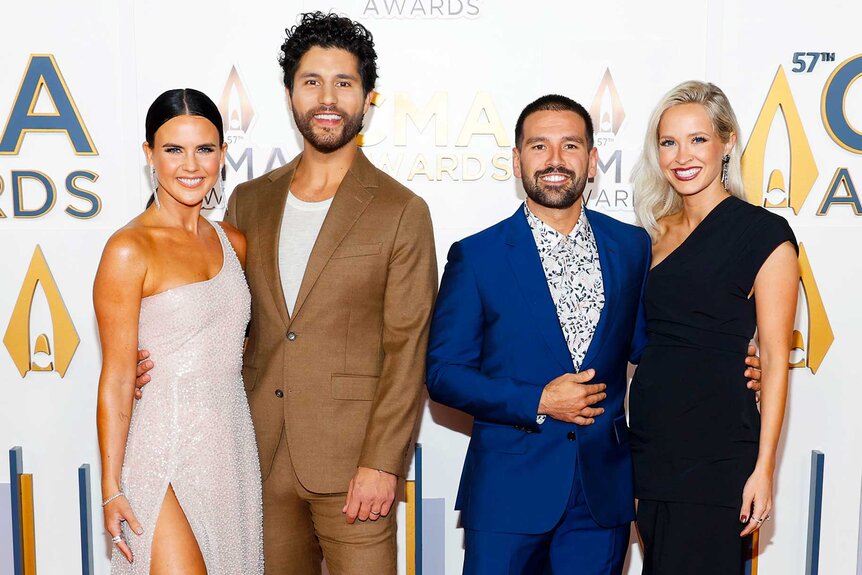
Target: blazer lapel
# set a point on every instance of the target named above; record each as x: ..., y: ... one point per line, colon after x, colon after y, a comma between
x: 272, y: 201
x: 349, y: 203
x: 529, y: 275
x: 609, y: 260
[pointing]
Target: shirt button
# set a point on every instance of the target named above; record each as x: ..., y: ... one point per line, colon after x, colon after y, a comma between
x: 279, y: 393
x: 291, y: 336
x: 571, y: 435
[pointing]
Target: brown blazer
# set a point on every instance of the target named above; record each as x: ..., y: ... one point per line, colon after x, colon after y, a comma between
x: 344, y: 374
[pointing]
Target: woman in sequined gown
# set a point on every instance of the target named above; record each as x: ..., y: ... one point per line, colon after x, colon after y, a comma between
x: 180, y: 472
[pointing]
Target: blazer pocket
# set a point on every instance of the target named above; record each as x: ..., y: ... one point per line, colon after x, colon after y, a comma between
x: 498, y: 438
x: 354, y: 387
x: 621, y: 430
x: 249, y: 377
x: 355, y: 250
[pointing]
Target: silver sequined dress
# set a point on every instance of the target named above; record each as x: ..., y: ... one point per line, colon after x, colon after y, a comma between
x: 192, y: 429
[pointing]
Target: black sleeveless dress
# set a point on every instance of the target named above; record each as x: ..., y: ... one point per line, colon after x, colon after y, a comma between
x: 695, y: 427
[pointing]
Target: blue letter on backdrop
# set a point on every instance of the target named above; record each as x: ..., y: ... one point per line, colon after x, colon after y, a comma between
x: 43, y: 74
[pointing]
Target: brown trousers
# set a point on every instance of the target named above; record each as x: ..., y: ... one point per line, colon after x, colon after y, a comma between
x: 301, y: 528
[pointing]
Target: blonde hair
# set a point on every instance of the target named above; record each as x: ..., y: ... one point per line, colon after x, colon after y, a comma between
x: 654, y: 197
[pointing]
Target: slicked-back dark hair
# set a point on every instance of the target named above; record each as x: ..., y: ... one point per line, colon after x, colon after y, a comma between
x: 554, y: 103
x: 329, y: 31
x: 181, y: 102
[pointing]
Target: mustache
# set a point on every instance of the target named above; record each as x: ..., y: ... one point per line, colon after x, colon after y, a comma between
x: 555, y: 170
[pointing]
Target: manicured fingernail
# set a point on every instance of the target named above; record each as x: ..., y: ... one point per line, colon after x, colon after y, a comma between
x: 743, y: 518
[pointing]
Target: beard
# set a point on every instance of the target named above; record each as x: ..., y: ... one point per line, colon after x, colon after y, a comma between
x: 331, y: 139
x: 557, y: 197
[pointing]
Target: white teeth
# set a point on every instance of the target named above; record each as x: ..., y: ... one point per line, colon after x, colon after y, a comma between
x: 190, y: 182
x: 553, y: 178
x: 328, y: 117
x: 687, y: 173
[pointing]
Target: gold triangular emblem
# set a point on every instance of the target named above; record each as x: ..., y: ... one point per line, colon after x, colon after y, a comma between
x: 607, y: 107
x: 235, y: 105
x: 820, y: 335
x: 803, y: 169
x: 17, y: 338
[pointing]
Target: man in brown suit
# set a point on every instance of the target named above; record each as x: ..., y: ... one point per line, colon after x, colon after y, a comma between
x: 342, y: 269
x: 333, y: 379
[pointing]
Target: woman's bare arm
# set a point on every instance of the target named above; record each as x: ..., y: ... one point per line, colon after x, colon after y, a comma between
x: 775, y: 289
x: 117, y: 293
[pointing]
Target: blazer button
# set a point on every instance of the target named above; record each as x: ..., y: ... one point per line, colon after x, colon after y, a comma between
x: 571, y: 435
x: 279, y: 393
x: 291, y: 336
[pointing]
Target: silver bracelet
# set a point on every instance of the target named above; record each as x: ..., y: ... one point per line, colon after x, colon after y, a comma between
x: 112, y: 497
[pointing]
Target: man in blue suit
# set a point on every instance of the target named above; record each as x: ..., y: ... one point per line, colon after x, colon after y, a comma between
x: 530, y: 312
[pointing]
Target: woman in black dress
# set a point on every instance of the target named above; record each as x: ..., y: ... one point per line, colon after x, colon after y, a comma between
x: 704, y: 457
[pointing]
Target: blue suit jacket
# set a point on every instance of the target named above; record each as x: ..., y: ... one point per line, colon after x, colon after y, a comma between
x: 496, y: 342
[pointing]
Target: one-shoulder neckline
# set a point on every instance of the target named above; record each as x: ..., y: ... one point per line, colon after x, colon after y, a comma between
x: 708, y: 216
x: 221, y: 241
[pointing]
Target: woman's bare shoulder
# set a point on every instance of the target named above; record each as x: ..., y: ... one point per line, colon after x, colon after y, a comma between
x: 236, y: 238
x: 130, y: 245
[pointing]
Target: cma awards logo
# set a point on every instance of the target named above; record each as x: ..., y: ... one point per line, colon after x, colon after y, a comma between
x: 789, y: 188
x: 44, y: 105
x: 610, y: 193
x: 243, y: 156
x: 34, y: 351
x: 481, y: 149
x: 237, y: 118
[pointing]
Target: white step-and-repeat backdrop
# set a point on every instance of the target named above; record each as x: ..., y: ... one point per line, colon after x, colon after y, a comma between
x: 454, y: 74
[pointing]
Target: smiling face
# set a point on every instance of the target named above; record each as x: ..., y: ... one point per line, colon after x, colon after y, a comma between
x: 187, y: 158
x: 690, y: 150
x: 553, y: 159
x: 328, y: 101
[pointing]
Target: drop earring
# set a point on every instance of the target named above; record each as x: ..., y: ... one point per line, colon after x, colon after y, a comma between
x: 725, y: 165
x: 155, y: 184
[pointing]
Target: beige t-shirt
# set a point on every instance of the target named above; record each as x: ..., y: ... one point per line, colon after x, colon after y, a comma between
x: 300, y: 224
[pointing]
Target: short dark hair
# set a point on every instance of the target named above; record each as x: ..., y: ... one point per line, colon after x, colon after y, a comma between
x: 328, y: 31
x: 554, y: 103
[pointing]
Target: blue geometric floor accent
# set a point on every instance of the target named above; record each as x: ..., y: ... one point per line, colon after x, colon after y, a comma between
x: 434, y: 537
x: 85, y: 507
x: 859, y: 544
x: 16, y: 468
x: 815, y: 510
x: 418, y: 520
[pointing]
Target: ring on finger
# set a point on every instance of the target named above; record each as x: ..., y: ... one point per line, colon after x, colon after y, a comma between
x: 374, y: 513
x: 116, y: 539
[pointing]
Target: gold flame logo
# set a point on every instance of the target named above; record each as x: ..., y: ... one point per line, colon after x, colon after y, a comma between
x: 607, y: 107
x: 820, y: 335
x: 791, y: 193
x: 235, y: 105
x: 17, y: 338
x: 803, y: 171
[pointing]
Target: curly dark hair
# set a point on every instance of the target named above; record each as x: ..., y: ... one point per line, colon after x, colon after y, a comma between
x: 328, y: 31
